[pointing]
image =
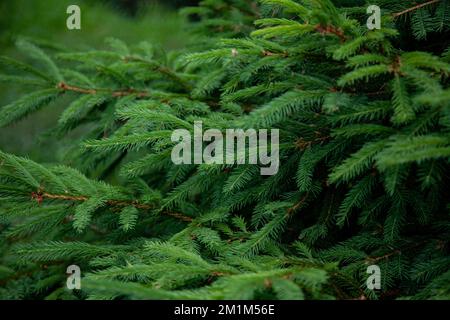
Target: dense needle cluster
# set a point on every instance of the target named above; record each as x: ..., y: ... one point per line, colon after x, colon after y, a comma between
x: 364, y: 120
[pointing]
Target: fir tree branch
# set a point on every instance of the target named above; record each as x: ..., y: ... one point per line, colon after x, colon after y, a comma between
x: 364, y: 153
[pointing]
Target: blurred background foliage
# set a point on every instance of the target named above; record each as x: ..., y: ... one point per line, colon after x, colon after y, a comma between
x: 44, y: 21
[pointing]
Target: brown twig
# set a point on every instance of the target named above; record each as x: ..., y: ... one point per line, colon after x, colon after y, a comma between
x: 331, y: 30
x: 394, y: 252
x: 395, y: 15
x: 178, y: 216
x: 299, y: 204
x: 267, y: 53
x: 118, y: 93
x: 303, y: 144
x: 41, y: 196
x: 386, y: 256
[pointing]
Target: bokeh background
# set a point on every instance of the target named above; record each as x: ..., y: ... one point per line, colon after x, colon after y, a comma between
x: 44, y: 21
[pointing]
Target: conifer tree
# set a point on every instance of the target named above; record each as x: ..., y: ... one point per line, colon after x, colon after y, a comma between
x: 364, y: 120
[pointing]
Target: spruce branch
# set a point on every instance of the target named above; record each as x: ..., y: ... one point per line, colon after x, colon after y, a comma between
x: 363, y: 160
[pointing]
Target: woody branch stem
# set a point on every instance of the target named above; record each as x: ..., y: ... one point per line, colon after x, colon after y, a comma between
x: 40, y: 196
x: 115, y: 93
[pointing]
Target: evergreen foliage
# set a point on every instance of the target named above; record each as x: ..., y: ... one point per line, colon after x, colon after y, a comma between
x: 364, y: 119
